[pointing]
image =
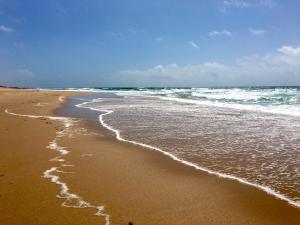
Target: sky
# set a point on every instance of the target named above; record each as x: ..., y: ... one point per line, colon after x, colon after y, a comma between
x: 198, y: 43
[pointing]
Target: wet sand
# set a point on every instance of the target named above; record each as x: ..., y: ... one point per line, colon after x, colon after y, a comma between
x: 134, y: 184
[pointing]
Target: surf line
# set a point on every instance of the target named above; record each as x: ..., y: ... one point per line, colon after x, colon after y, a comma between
x: 71, y: 200
x: 117, y: 133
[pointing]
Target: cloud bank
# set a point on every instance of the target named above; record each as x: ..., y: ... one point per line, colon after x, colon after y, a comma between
x: 281, y: 67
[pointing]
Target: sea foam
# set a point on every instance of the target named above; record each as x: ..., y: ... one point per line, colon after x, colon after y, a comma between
x: 71, y: 200
x: 117, y: 133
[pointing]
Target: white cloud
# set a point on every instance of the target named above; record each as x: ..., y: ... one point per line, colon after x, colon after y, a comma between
x: 281, y: 67
x: 193, y: 44
x: 289, y: 55
x: 243, y: 4
x: 6, y: 29
x: 173, y: 70
x: 288, y: 50
x: 220, y: 33
x: 236, y: 3
x: 256, y: 32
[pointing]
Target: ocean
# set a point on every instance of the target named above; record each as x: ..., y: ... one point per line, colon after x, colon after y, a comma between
x: 251, y: 135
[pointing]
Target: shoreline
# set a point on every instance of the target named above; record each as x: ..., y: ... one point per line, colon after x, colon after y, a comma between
x: 144, y: 147
x: 166, y: 183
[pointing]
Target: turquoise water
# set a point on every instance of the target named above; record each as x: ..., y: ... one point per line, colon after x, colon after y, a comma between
x: 280, y: 100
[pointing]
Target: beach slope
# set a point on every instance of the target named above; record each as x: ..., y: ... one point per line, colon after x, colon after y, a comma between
x: 130, y: 182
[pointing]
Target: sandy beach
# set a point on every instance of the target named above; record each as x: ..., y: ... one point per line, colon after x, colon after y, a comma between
x: 131, y: 183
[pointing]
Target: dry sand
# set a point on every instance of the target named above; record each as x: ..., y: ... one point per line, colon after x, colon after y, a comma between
x: 134, y: 184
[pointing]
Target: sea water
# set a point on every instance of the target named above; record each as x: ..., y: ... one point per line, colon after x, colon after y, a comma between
x: 248, y: 134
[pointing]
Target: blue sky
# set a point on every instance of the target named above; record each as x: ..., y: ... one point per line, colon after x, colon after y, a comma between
x: 65, y: 43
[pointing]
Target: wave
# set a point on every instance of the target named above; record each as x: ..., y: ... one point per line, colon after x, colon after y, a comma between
x: 284, y: 101
x: 287, y: 110
x: 276, y: 100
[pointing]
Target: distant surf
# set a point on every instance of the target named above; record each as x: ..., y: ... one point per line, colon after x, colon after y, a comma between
x: 278, y: 100
x: 249, y: 135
